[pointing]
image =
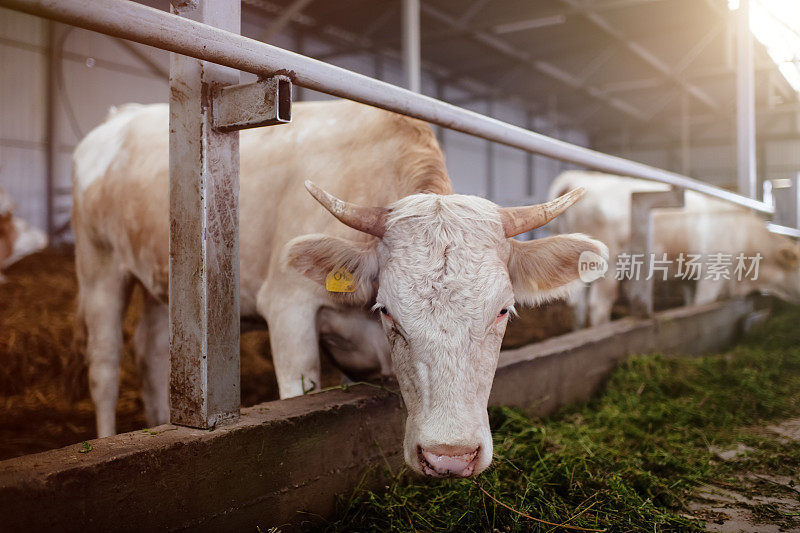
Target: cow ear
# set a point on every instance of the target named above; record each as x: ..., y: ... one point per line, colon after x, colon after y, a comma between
x: 789, y: 258
x: 319, y: 256
x: 546, y: 269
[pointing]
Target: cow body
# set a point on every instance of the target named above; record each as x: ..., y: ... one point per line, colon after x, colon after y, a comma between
x: 17, y: 237
x: 121, y: 226
x: 704, y: 226
x: 288, y: 246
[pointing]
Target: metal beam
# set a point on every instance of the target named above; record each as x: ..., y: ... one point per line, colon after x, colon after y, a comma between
x: 745, y: 104
x: 478, y: 89
x: 412, y: 70
x: 151, y: 65
x: 50, y: 129
x: 283, y: 19
x: 472, y: 11
x: 551, y: 16
x: 542, y: 67
x: 204, y: 234
x: 642, y: 53
x: 651, y: 82
x: 784, y: 230
x: 597, y: 63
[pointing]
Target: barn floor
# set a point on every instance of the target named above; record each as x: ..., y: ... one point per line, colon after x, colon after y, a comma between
x: 44, y: 395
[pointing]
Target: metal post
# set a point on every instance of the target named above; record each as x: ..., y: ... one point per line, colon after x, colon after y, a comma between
x: 411, y: 45
x: 490, y: 178
x: 300, y: 45
x: 50, y: 130
x: 553, y: 129
x: 625, y: 140
x: 745, y: 104
x: 204, y: 235
x: 378, y: 67
x: 440, y: 92
x: 797, y: 201
x: 686, y: 154
x: 640, y: 288
x: 530, y: 173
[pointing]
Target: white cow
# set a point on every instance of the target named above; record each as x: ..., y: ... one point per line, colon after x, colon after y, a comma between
x: 440, y: 268
x: 17, y: 237
x: 703, y: 226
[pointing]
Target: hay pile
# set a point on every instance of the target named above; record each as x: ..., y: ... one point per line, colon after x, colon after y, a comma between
x: 44, y: 393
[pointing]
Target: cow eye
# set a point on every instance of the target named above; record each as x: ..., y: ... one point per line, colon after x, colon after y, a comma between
x: 503, y: 312
x: 385, y: 312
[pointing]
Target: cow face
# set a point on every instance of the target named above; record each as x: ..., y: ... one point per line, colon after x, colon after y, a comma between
x: 781, y: 270
x: 448, y: 277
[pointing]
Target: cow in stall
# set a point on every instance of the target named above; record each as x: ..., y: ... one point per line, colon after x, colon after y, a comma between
x: 439, y: 270
x: 704, y: 226
x: 17, y: 237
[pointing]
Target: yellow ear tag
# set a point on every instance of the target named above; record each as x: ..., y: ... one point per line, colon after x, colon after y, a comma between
x: 340, y: 280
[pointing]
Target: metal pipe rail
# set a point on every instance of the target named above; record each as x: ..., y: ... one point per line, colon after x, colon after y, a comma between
x: 146, y: 25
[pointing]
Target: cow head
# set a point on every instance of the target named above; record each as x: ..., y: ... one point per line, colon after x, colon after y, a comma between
x: 780, y: 270
x: 447, y: 277
x: 8, y: 230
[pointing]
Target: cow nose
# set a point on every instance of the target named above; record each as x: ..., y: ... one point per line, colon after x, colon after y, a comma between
x: 448, y: 461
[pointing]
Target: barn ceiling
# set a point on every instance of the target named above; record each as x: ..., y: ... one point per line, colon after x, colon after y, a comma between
x: 618, y: 69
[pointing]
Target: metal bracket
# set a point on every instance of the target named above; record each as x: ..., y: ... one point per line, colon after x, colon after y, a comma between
x: 640, y: 288
x: 265, y: 102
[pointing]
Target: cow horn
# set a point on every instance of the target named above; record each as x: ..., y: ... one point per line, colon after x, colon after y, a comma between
x: 370, y: 220
x: 518, y: 220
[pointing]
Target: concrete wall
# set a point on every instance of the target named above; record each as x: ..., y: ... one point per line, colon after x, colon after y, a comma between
x: 288, y: 461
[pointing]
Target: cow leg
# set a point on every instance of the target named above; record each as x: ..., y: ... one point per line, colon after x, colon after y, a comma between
x: 151, y: 344
x: 291, y: 317
x: 102, y: 301
x: 579, y: 303
x: 602, y: 295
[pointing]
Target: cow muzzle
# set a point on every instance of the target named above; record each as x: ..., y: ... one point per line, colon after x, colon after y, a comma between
x: 448, y: 461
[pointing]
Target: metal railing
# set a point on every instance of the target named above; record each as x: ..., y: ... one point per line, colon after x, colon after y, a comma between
x: 146, y: 25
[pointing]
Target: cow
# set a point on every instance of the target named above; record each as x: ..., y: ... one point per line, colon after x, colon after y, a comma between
x: 705, y: 226
x: 17, y: 237
x: 439, y: 269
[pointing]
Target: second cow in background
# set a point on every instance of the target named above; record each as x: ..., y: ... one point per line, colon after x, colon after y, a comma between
x: 705, y: 226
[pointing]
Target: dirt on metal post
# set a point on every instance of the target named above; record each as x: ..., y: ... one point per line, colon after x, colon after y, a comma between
x: 204, y: 234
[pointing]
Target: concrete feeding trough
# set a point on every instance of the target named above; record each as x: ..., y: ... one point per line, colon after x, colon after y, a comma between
x: 288, y: 461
